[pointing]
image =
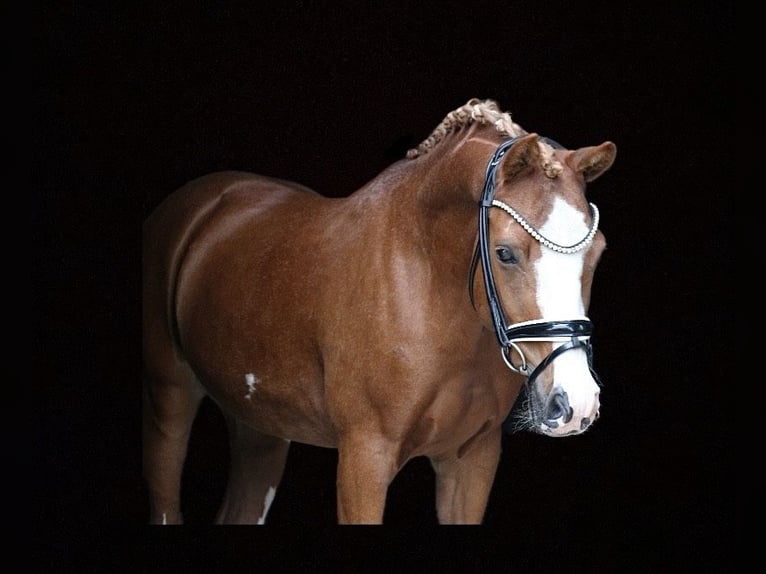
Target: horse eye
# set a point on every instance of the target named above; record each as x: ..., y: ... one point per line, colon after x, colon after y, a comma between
x: 505, y: 255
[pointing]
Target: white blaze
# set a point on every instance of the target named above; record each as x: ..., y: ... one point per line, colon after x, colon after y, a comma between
x: 559, y: 297
x: 558, y: 274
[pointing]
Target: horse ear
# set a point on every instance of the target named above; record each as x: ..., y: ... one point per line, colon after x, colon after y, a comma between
x: 522, y: 155
x: 592, y: 161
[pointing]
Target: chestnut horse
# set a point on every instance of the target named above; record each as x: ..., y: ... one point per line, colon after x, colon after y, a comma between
x: 398, y: 322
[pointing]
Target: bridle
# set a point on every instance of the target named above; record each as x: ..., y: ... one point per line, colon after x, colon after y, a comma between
x: 571, y: 333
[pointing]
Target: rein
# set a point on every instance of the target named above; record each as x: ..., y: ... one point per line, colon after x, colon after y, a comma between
x: 571, y: 333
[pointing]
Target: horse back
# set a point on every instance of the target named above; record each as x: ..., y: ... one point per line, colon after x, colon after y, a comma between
x: 183, y: 216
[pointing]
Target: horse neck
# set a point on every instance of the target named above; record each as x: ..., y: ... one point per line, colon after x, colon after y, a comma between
x: 453, y: 170
x: 436, y: 196
x: 451, y: 178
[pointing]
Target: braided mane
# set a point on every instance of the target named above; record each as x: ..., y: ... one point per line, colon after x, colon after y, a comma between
x: 485, y: 111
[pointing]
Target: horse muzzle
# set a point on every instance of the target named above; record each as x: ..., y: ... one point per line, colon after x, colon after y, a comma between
x: 548, y: 413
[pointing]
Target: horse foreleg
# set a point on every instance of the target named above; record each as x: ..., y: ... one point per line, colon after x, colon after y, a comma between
x: 366, y: 467
x: 257, y: 465
x: 464, y: 480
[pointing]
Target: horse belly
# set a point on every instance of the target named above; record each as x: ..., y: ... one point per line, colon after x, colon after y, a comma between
x: 241, y: 330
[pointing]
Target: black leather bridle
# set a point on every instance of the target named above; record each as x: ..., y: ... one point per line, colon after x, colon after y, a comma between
x: 572, y: 333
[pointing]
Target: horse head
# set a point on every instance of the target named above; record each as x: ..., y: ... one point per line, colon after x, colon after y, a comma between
x: 540, y: 245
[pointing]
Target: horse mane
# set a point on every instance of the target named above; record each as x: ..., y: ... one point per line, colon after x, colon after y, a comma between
x: 483, y: 112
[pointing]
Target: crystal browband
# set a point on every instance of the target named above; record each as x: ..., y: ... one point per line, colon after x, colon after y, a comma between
x: 547, y: 242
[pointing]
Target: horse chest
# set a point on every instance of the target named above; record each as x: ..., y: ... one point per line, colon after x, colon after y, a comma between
x: 461, y: 410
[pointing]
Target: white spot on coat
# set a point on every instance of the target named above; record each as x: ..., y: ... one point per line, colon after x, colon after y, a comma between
x: 251, y: 382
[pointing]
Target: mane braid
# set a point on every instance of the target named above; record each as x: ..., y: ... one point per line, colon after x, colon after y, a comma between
x: 483, y: 112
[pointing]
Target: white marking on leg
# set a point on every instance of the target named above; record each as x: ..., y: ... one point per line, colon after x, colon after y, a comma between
x: 267, y: 504
x: 164, y: 518
x: 251, y: 382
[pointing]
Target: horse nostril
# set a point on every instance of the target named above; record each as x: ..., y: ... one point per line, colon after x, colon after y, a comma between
x: 558, y: 406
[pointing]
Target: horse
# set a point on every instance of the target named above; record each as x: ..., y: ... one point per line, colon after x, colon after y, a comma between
x: 403, y: 320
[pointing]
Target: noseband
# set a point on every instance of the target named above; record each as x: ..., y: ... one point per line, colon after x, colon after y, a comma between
x: 571, y: 333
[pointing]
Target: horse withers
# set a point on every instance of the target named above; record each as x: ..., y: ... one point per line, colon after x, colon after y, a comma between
x: 400, y: 321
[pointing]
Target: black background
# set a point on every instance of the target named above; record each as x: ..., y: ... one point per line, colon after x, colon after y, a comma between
x: 128, y: 104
